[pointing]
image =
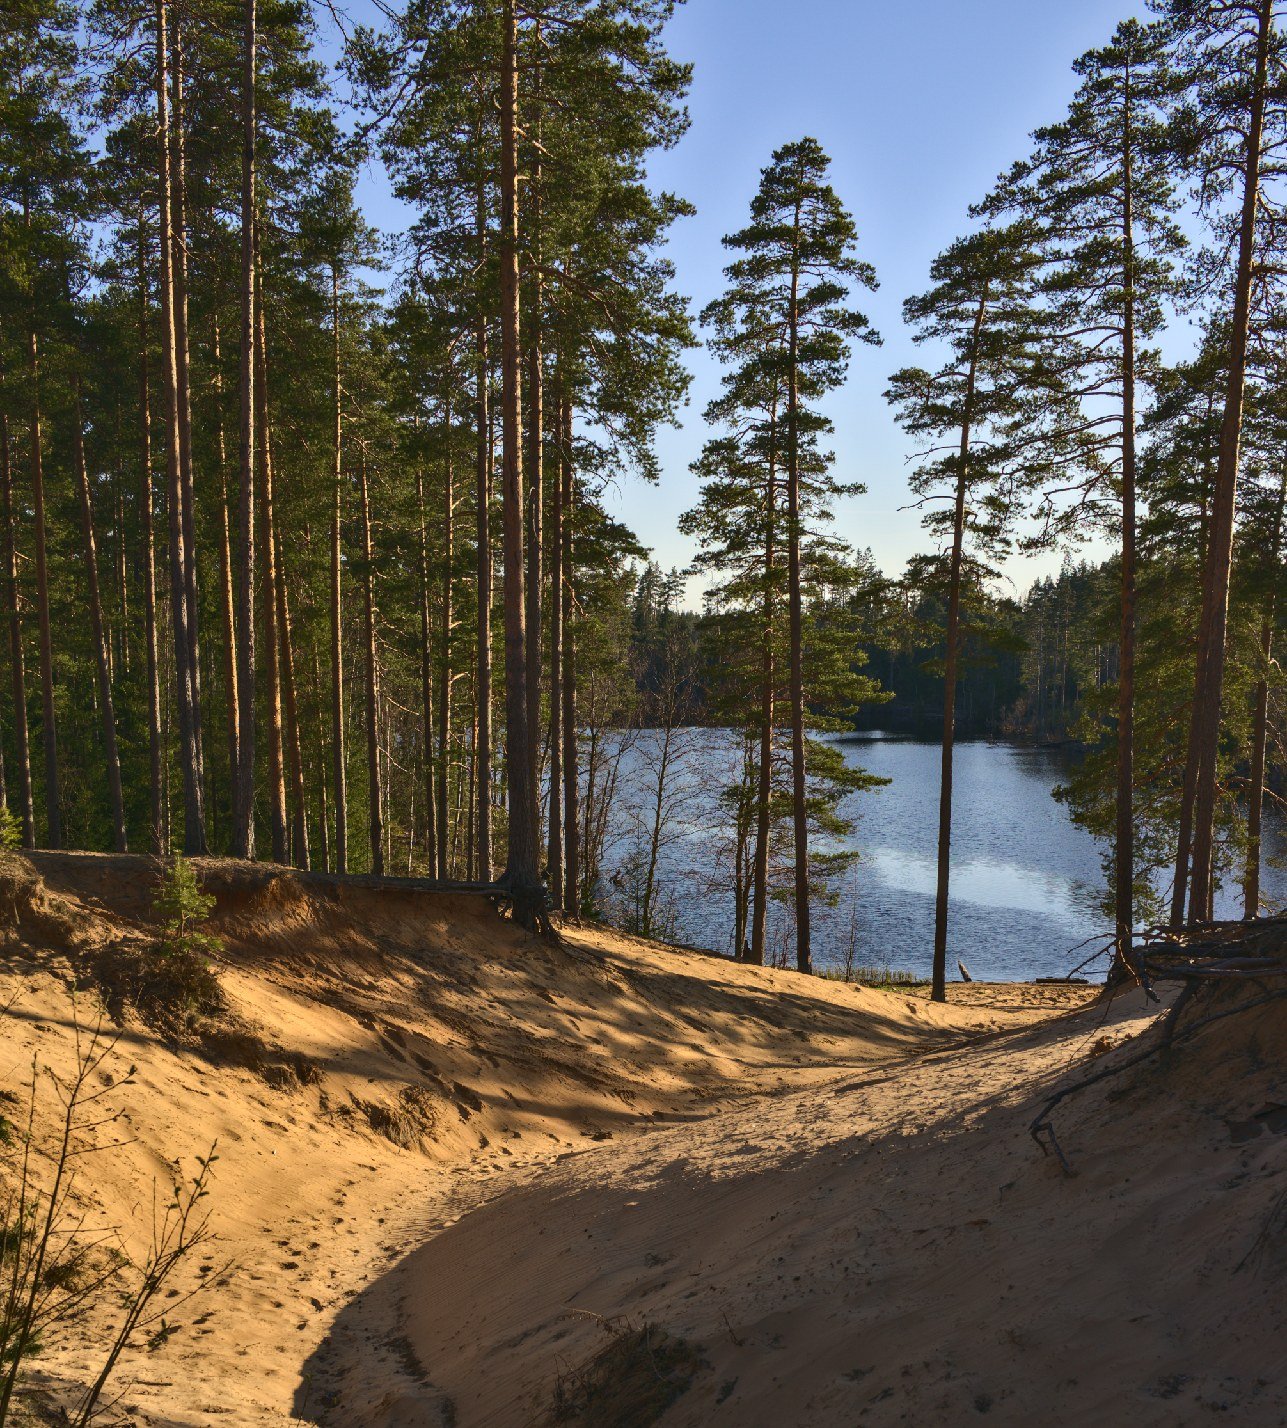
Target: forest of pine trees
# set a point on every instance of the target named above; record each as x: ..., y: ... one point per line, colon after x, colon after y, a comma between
x: 306, y: 552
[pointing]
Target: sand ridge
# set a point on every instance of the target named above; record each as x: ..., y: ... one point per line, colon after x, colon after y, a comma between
x: 507, y: 1154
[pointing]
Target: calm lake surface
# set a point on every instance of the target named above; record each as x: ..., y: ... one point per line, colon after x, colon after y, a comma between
x: 1026, y: 883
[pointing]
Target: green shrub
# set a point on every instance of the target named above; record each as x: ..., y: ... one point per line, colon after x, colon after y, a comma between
x: 169, y: 981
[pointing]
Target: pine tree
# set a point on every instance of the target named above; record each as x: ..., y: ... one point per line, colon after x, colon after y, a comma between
x: 1233, y: 55
x: 790, y: 290
x: 993, y: 399
x: 1100, y: 185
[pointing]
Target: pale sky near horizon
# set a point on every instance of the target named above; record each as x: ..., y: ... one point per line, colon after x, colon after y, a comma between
x: 920, y: 107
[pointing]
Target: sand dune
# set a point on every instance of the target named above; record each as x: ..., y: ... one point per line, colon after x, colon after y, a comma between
x: 471, y: 1178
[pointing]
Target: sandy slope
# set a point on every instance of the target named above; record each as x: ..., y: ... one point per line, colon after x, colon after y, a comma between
x: 415, y: 1019
x: 828, y: 1194
x: 890, y: 1248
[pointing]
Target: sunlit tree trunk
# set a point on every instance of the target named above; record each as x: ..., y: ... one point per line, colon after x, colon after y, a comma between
x: 290, y: 701
x: 17, y: 665
x: 272, y: 645
x: 156, y: 808
x: 426, y: 655
x: 1124, y: 857
x: 243, y: 836
x: 521, y: 870
x: 483, y: 741
x: 799, y: 794
x: 554, y: 843
x: 183, y: 373
x: 1260, y: 727
x: 339, y: 770
x: 952, y: 652
x: 49, y: 729
x: 1215, y: 602
x: 768, y: 677
x: 571, y: 785
x: 372, y: 677
x: 227, y: 597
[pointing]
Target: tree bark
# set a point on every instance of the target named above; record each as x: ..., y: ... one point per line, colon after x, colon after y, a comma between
x: 426, y: 657
x: 938, y: 988
x: 243, y: 837
x: 49, y: 729
x: 272, y: 668
x: 183, y: 374
x: 1208, y: 692
x: 98, y: 629
x: 319, y: 769
x: 1260, y: 725
x: 483, y: 741
x: 17, y: 666
x: 521, y: 870
x: 1256, y: 796
x: 446, y: 681
x: 156, y: 805
x: 227, y: 597
x: 535, y: 461
x: 799, y: 791
x: 554, y: 843
x: 1124, y: 855
x: 768, y: 675
x: 338, y: 751
x: 571, y: 782
x: 372, y: 678
x: 299, y: 851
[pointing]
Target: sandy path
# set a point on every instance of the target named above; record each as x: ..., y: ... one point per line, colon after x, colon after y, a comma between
x: 829, y: 1249
x: 496, y: 1054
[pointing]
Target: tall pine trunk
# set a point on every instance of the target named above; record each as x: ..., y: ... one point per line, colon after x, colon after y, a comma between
x: 156, y: 805
x: 339, y: 754
x: 554, y: 842
x: 1124, y: 854
x: 243, y: 828
x: 571, y: 783
x: 521, y: 870
x: 372, y: 677
x: 483, y: 741
x: 1260, y: 725
x: 17, y: 666
x: 426, y: 657
x: 799, y: 777
x: 49, y: 725
x: 227, y: 595
x: 938, y: 989
x: 98, y: 629
x: 183, y: 374
x: 442, y: 788
x: 272, y: 647
x: 1256, y: 794
x: 768, y: 676
x: 1215, y: 604
x: 290, y: 701
x: 535, y: 463
x: 189, y: 756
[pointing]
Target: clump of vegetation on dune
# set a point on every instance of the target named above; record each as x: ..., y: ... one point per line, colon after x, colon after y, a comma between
x: 167, y: 981
x: 630, y: 1382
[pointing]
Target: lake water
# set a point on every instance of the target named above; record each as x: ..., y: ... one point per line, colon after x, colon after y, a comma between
x: 1026, y: 887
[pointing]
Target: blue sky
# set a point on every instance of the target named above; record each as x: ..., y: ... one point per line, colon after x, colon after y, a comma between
x: 920, y: 106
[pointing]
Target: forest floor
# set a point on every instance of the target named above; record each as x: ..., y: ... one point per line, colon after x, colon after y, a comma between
x: 467, y: 1177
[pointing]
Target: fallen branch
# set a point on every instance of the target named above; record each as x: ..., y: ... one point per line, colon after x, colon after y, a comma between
x: 1041, y: 1126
